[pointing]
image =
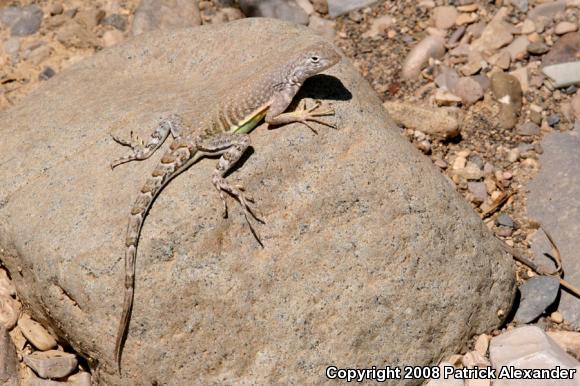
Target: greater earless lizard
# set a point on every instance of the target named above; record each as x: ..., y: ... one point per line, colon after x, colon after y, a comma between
x: 266, y: 95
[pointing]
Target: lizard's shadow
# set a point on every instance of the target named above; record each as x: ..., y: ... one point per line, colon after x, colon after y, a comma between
x: 324, y: 87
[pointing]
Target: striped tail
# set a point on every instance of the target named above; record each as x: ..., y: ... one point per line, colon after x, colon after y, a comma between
x: 176, y: 160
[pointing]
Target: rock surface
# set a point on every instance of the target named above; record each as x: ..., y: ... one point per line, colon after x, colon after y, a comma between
x: 153, y: 14
x: 367, y: 246
x: 554, y: 201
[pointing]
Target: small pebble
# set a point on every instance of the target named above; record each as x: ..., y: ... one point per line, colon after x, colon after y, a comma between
x: 441, y: 164
x: 424, y: 146
x: 112, y: 38
x: 469, y: 90
x: 56, y: 9
x: 570, y: 90
x: 553, y: 120
x: 505, y: 220
x: 513, y: 155
x: 444, y: 17
x: 565, y: 27
x: 459, y: 163
x: 116, y: 20
x: 36, y: 334
x: 556, y: 317
x: 478, y: 190
x: 537, y: 48
x: 528, y: 129
x: 482, y: 344
x: 46, y: 73
x: 528, y: 27
x: 504, y: 231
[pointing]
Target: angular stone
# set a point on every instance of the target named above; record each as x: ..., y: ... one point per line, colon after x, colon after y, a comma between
x: 478, y: 190
x: 340, y: 7
x: 446, y: 98
x: 563, y: 74
x: 469, y: 90
x: 528, y: 27
x: 306, y: 6
x: 529, y: 347
x: 548, y: 10
x: 537, y: 294
x: 520, y: 5
x: 116, y: 20
x: 211, y: 305
x: 496, y: 34
x: 165, y: 15
x: 447, y: 78
x: 566, y: 49
x: 517, y: 48
x: 51, y: 364
x: 445, y: 16
x: 528, y: 129
x: 554, y: 201
x: 502, y: 59
x: 90, y: 17
x: 72, y: 34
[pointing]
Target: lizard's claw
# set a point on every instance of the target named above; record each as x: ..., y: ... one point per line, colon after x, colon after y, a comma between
x: 237, y: 192
x: 311, y: 114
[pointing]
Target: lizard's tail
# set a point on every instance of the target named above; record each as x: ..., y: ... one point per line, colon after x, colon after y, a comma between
x: 176, y: 160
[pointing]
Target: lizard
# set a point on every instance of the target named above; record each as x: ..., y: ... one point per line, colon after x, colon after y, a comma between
x: 224, y: 132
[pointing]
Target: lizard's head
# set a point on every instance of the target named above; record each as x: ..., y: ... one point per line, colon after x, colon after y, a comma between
x: 315, y: 59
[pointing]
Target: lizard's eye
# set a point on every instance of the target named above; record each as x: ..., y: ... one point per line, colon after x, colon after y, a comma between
x: 314, y: 59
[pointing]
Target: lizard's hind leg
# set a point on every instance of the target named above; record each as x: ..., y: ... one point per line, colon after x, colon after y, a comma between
x: 142, y: 150
x: 231, y: 146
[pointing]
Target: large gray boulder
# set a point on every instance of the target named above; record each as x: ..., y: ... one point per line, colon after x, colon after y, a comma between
x: 370, y: 257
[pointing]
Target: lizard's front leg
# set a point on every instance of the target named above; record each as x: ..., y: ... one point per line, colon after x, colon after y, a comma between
x: 142, y: 150
x: 302, y: 114
x: 231, y: 146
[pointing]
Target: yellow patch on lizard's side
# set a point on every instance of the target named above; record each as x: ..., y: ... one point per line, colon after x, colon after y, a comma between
x: 251, y: 121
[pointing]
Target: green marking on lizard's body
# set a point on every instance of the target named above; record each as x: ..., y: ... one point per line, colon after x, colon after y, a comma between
x: 249, y: 123
x: 265, y: 95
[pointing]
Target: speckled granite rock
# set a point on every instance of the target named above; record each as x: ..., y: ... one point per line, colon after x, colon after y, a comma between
x: 370, y: 258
